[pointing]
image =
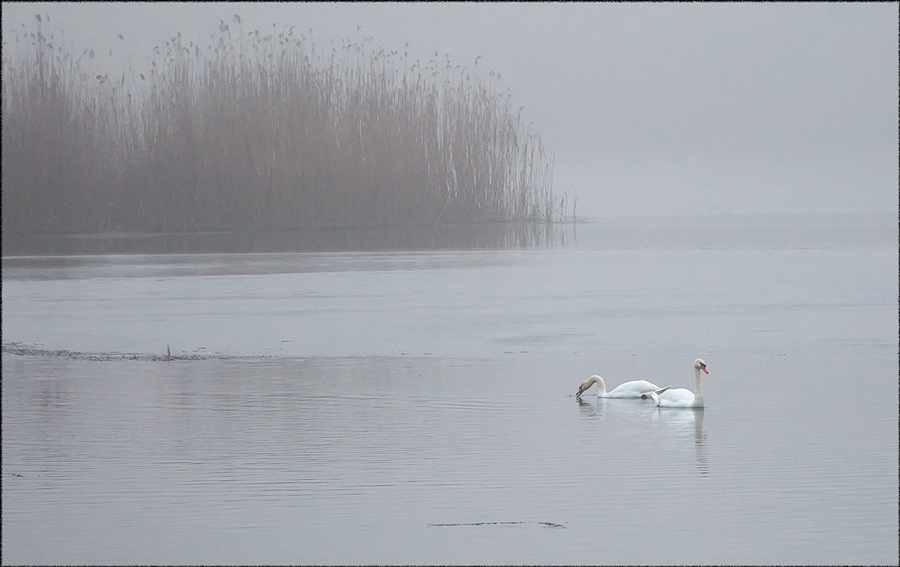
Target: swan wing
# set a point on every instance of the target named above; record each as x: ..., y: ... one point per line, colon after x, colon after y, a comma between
x: 633, y: 389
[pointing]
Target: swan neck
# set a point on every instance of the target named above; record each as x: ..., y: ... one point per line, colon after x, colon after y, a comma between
x: 600, y: 384
x: 698, y: 385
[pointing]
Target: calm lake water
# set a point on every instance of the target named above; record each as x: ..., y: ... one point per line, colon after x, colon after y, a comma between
x: 417, y: 405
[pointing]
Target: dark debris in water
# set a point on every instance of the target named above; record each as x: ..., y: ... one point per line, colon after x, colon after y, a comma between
x: 545, y: 524
x: 23, y: 350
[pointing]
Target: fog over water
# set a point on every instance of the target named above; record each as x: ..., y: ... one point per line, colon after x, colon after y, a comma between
x: 647, y: 109
x: 418, y: 407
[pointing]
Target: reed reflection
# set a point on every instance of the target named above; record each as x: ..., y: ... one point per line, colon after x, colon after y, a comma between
x: 471, y: 236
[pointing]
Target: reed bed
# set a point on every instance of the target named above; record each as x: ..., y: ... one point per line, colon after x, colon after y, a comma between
x: 261, y: 130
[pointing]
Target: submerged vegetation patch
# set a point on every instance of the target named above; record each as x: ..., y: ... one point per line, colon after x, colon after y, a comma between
x: 256, y: 130
x: 545, y: 524
x: 19, y: 349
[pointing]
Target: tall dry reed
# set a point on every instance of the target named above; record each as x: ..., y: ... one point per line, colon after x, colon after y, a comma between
x: 261, y: 130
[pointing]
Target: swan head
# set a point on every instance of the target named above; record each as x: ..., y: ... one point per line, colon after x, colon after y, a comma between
x: 587, y: 384
x: 700, y: 365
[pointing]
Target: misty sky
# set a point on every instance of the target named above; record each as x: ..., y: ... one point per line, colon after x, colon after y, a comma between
x: 647, y: 108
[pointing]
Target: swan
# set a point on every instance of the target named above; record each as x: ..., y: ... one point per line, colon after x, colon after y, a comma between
x: 633, y: 389
x: 682, y: 397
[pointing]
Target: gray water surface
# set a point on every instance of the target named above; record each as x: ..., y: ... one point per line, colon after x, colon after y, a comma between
x: 417, y: 406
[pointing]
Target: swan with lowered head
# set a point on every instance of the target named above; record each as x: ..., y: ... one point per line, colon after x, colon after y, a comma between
x: 682, y: 397
x: 633, y: 389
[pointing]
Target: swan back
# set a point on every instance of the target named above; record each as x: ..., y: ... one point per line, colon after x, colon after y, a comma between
x: 679, y: 398
x: 632, y: 389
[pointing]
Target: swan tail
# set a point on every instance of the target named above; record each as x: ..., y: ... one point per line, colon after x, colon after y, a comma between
x: 654, y: 394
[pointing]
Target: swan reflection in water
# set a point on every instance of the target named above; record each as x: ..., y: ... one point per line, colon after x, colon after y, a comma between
x: 687, y: 426
x: 600, y: 406
x: 593, y: 408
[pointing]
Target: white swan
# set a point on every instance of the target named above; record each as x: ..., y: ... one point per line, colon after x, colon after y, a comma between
x: 682, y: 397
x: 633, y: 389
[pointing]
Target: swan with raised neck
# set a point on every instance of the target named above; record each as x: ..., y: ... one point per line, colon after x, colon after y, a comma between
x: 682, y: 397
